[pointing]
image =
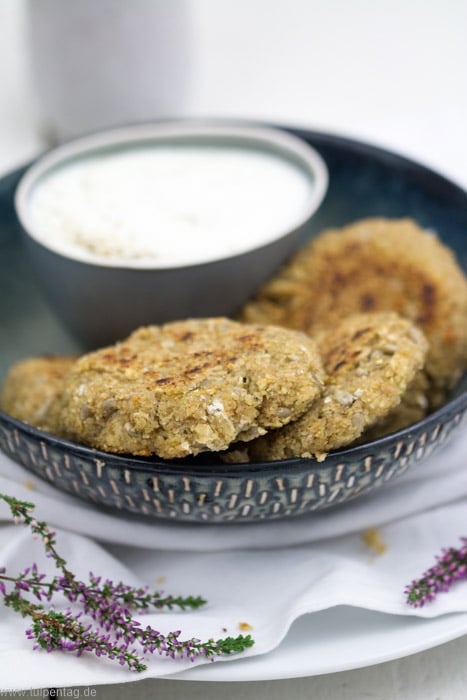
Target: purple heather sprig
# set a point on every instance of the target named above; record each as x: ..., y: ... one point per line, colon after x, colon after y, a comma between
x: 451, y: 566
x: 110, y: 629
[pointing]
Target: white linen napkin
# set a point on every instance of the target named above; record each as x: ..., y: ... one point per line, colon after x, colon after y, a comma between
x: 248, y: 573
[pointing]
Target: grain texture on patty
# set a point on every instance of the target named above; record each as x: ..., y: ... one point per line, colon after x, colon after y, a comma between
x: 32, y: 390
x: 376, y: 265
x: 190, y: 386
x: 370, y: 359
x: 412, y: 408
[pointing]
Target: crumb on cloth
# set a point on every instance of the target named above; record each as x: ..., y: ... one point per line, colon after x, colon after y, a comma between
x: 372, y: 538
x: 245, y: 626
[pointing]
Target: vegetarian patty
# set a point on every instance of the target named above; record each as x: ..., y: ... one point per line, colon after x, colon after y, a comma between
x: 370, y: 359
x: 412, y: 408
x: 190, y: 386
x: 376, y: 265
x: 32, y: 390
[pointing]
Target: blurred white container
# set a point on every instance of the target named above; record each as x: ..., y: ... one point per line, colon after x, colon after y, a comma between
x: 100, y: 64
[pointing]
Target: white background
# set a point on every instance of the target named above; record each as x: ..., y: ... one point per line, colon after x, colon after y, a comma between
x: 392, y: 72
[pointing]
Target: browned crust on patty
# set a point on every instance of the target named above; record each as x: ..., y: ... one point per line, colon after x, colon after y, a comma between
x: 375, y: 265
x: 190, y: 386
x: 412, y: 408
x: 32, y: 390
x: 371, y: 359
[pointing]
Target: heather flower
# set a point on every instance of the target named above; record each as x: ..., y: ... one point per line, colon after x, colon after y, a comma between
x: 451, y: 566
x: 104, y: 623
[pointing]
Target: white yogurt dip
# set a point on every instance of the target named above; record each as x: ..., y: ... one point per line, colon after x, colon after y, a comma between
x: 168, y: 205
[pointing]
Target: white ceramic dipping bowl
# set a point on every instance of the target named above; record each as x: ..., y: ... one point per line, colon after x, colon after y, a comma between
x: 153, y: 223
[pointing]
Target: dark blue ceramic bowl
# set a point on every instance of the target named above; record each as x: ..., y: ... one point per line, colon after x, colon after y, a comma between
x: 364, y: 181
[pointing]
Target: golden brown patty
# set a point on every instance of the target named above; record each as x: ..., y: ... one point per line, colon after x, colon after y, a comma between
x: 370, y: 360
x: 190, y: 386
x: 33, y: 388
x: 412, y: 408
x: 375, y: 265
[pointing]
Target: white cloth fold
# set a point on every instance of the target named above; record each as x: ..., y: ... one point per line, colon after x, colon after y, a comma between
x: 265, y: 574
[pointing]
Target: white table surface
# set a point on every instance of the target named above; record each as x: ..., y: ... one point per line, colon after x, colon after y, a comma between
x: 390, y: 72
